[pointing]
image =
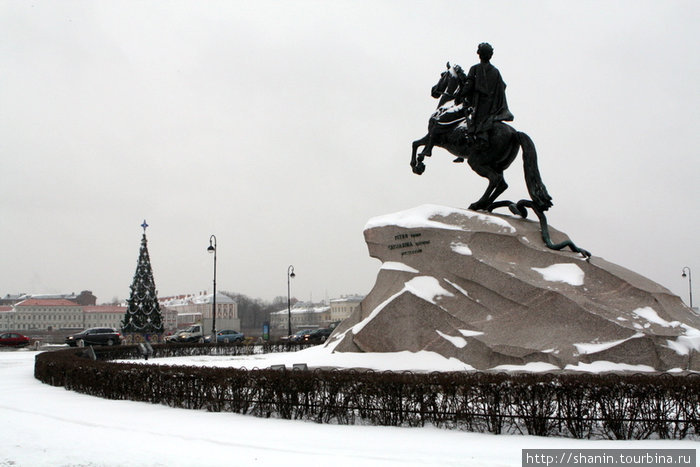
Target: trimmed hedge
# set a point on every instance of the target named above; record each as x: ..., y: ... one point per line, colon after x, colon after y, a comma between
x: 572, y: 405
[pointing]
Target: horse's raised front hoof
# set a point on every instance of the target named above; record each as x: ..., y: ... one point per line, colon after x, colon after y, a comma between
x: 419, y: 168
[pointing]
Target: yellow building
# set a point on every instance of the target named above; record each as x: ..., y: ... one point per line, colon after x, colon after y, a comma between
x: 191, y: 309
x: 343, y: 307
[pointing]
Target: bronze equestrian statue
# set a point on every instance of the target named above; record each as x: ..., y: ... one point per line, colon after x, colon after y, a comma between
x: 469, y: 123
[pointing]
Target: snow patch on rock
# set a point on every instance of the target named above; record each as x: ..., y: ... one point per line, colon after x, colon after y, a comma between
x: 396, y: 266
x: 684, y: 344
x: 420, y: 217
x: 460, y: 289
x: 457, y: 341
x: 593, y: 347
x: 602, y: 366
x: 565, y: 272
x: 649, y: 314
x: 414, y: 218
x: 461, y: 248
x: 425, y: 287
x: 470, y: 333
x: 532, y: 367
x: 428, y: 288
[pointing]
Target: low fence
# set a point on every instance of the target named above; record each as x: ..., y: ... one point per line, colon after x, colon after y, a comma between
x: 572, y: 405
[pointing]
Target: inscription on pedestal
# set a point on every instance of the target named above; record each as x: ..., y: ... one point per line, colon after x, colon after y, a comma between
x: 410, y: 243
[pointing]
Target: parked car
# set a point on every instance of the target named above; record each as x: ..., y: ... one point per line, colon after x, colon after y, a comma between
x: 317, y: 336
x: 229, y: 335
x: 193, y: 333
x: 13, y: 339
x: 95, y: 336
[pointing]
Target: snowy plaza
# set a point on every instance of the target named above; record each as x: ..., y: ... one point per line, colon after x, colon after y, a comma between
x: 49, y: 426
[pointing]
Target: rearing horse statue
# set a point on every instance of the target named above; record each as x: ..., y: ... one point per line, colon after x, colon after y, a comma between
x: 490, y: 162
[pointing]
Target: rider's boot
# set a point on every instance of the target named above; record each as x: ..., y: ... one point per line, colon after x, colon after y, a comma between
x: 470, y: 143
x: 481, y: 143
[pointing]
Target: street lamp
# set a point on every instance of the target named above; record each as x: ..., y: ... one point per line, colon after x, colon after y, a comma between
x: 290, y: 274
x: 212, y: 249
x: 690, y: 285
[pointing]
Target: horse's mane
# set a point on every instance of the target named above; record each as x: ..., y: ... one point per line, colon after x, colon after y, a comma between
x: 461, y: 75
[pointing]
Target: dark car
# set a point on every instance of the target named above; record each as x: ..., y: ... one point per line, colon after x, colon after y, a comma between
x: 229, y: 335
x: 12, y: 339
x: 95, y: 336
x: 317, y: 336
x: 299, y: 335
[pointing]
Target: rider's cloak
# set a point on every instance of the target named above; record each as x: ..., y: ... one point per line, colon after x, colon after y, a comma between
x: 486, y: 93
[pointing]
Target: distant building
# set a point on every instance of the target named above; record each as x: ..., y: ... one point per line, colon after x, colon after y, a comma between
x: 57, y: 314
x: 342, y: 308
x: 169, y: 319
x: 191, y: 309
x: 107, y: 316
x: 45, y: 315
x: 11, y: 299
x: 304, y: 316
x: 85, y: 298
x: 6, y: 316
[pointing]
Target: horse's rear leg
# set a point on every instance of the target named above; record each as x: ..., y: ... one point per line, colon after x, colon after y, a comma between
x: 496, y: 186
x: 501, y: 186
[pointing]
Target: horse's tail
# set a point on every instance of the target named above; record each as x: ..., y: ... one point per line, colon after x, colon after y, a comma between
x: 533, y: 180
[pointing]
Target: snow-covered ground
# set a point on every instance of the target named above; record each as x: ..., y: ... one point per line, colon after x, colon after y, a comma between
x: 424, y: 361
x: 318, y: 357
x: 41, y: 425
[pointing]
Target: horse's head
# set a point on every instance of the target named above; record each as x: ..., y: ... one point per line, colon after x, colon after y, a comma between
x: 448, y: 84
x: 442, y: 84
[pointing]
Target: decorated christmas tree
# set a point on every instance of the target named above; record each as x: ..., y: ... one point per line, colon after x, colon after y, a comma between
x: 143, y: 312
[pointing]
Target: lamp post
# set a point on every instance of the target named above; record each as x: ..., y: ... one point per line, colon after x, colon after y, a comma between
x: 690, y: 285
x: 212, y: 249
x: 290, y: 275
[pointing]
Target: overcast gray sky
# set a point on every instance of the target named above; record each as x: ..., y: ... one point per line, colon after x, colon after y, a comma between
x: 283, y: 126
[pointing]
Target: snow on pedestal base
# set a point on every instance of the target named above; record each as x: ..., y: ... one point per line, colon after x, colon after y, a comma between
x: 483, y: 289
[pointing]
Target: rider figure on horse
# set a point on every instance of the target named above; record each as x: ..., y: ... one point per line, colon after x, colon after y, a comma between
x: 485, y: 92
x: 480, y: 99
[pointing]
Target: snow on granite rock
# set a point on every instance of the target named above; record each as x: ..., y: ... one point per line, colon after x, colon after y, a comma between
x: 569, y: 273
x: 483, y: 289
